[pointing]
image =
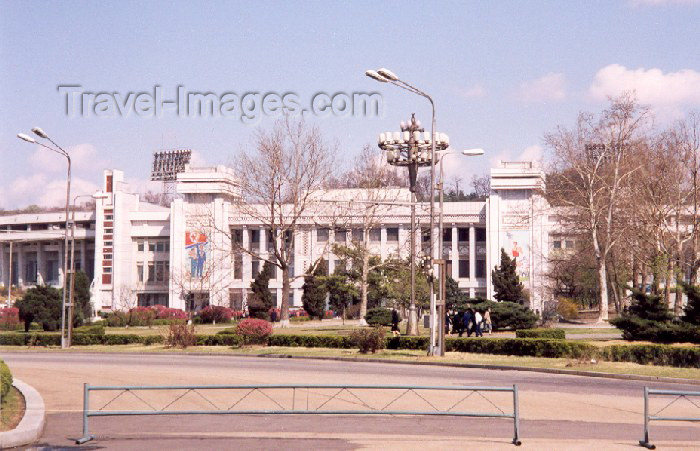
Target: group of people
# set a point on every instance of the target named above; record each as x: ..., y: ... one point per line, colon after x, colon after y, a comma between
x: 469, y: 321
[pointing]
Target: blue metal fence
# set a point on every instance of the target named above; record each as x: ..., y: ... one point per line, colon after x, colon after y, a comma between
x: 300, y: 401
x: 677, y: 395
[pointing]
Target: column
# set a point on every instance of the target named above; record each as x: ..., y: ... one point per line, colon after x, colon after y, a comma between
x: 472, y: 254
x: 382, y: 243
x: 455, y: 254
x: 40, y: 265
x: 61, y: 245
x: 21, y: 270
x: 246, y: 259
x: 3, y: 266
x: 83, y: 258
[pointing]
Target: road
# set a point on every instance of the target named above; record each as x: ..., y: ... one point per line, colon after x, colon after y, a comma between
x: 557, y: 411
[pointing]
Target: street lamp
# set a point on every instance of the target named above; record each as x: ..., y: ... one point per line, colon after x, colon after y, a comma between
x: 65, y: 341
x: 384, y: 75
x: 442, y: 310
x: 413, y: 148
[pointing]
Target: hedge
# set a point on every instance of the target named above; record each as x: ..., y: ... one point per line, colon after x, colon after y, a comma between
x: 311, y: 341
x: 531, y: 347
x: 5, y: 379
x: 554, y: 334
x: 684, y: 357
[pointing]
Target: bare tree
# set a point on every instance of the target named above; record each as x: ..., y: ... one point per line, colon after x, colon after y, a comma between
x: 593, y: 165
x: 373, y: 178
x: 278, y: 179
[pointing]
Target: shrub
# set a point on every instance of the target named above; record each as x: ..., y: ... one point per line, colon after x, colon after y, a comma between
x: 117, y: 319
x: 508, y: 315
x: 378, y: 317
x: 554, y: 334
x: 254, y: 331
x: 91, y: 330
x: 567, y: 308
x: 299, y: 319
x: 9, y: 318
x: 141, y: 316
x: 180, y: 336
x: 5, y: 379
x: 311, y: 341
x: 219, y: 340
x: 369, y: 339
x: 534, y: 347
x: 685, y: 357
x: 215, y: 314
x: 227, y: 331
x: 404, y: 342
x: 165, y: 313
x: 167, y: 322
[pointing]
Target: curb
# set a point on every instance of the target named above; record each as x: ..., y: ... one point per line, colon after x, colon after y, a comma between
x: 31, y: 426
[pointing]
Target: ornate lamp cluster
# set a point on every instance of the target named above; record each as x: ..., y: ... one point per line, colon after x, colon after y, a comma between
x: 412, y: 145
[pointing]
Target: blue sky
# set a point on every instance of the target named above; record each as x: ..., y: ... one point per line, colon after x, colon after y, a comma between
x: 502, y: 73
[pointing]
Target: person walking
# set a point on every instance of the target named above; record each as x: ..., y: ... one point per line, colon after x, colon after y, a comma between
x: 467, y: 320
x: 487, y: 320
x: 447, y: 323
x: 395, y: 320
x: 476, y: 318
x: 458, y: 324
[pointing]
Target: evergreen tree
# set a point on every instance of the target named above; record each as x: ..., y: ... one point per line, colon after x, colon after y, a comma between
x: 692, y: 310
x: 506, y: 283
x: 342, y: 292
x: 314, y: 297
x: 650, y: 307
x: 41, y: 304
x: 454, y: 298
x: 260, y: 302
x: 82, y: 311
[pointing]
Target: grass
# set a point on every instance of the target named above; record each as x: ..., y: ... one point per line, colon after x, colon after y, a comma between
x: 404, y: 356
x: 12, y: 410
x: 577, y: 331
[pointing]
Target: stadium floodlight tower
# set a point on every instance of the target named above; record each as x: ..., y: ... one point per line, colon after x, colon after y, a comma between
x: 413, y: 147
x: 166, y: 165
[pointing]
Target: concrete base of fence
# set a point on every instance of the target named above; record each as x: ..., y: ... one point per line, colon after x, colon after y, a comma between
x: 31, y: 427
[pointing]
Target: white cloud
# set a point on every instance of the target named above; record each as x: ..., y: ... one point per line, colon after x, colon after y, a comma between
x: 44, y: 181
x: 531, y: 153
x: 652, y: 86
x: 474, y: 91
x: 549, y: 87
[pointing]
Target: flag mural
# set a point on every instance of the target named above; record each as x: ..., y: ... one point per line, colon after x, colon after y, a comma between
x: 196, y: 243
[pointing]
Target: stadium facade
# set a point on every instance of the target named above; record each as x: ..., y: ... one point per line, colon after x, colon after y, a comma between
x: 203, y: 248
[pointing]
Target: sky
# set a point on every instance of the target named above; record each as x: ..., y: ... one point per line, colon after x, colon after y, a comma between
x: 502, y: 75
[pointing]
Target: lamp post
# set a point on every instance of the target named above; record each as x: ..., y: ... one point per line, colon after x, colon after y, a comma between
x: 65, y: 341
x: 440, y: 347
x: 413, y: 148
x: 384, y: 75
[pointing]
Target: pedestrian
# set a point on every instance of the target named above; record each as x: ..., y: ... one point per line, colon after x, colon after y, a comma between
x: 477, y: 323
x: 395, y: 320
x: 467, y: 320
x: 487, y: 320
x: 458, y: 324
x: 447, y: 323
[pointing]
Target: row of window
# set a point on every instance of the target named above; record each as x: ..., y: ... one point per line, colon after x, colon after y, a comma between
x: 159, y: 246
x: 563, y: 244
x: 153, y: 272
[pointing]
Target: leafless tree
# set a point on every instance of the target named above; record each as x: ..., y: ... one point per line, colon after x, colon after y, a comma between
x: 590, y: 182
x: 278, y: 179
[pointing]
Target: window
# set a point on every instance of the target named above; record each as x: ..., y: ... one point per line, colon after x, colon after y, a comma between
x: 160, y: 246
x: 235, y: 299
x: 480, y: 269
x: 569, y: 244
x: 107, y: 270
x: 151, y: 247
x: 139, y: 245
x: 375, y: 235
x: 151, y: 272
x: 392, y: 234
x: 425, y: 235
x: 162, y: 269
x: 322, y: 235
x: 109, y: 231
x: 463, y: 234
x: 139, y: 271
x: 447, y: 235
x: 340, y: 236
x: 238, y: 266
x: 448, y: 268
x: 236, y: 238
x: 255, y: 268
x: 463, y: 269
x: 480, y: 234
x: 557, y: 244
x: 254, y: 244
x: 109, y: 217
x: 357, y: 235
x: 108, y: 244
x: 107, y: 256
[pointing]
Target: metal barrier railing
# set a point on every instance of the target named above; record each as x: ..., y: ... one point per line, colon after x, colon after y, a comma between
x: 290, y: 399
x: 655, y: 416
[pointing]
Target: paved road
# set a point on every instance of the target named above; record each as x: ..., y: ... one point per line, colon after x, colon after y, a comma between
x: 557, y: 411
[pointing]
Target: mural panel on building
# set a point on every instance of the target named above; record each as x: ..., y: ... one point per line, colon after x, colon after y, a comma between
x: 196, y: 243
